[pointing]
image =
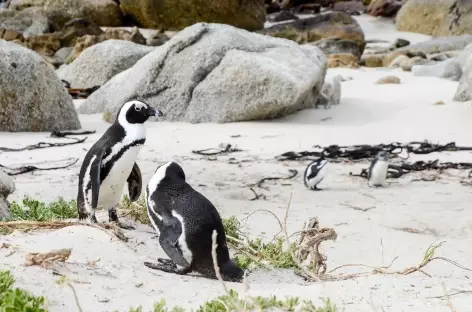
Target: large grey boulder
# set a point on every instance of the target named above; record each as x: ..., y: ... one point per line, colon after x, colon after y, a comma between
x: 464, y: 90
x: 438, y: 45
x: 99, y: 63
x: 6, y: 188
x: 218, y: 73
x: 30, y: 22
x: 449, y: 69
x: 435, y: 17
x: 32, y: 98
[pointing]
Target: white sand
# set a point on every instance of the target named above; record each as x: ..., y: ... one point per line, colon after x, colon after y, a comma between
x: 368, y: 113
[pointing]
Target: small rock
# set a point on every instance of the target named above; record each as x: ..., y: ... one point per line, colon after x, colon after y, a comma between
x: 336, y: 45
x: 157, y: 39
x: 350, y: 7
x: 388, y: 80
x: 62, y: 54
x: 385, y: 8
x: 407, y: 65
x: 89, y: 40
x: 439, y: 103
x: 449, y: 69
x: 99, y: 63
x: 330, y: 92
x: 463, y: 55
x: 464, y: 90
x: 102, y: 12
x: 281, y: 16
x: 322, y: 26
x: 438, y: 45
x: 398, y: 61
x: 342, y: 60
x: 308, y: 8
x: 372, y: 60
x: 442, y: 56
x: 400, y: 43
x: 7, y: 187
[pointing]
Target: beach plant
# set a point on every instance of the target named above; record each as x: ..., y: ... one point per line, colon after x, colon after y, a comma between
x: 34, y: 210
x: 15, y: 299
x: 233, y: 302
x: 135, y: 210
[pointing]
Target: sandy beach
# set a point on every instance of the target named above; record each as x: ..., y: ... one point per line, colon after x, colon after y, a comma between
x: 369, y: 113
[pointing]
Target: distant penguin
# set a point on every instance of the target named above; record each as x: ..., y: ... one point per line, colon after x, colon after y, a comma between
x: 111, y: 162
x: 185, y: 221
x: 378, y: 170
x: 315, y: 173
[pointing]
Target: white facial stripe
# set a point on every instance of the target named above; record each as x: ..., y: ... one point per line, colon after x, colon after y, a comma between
x: 122, y: 116
x: 158, y: 176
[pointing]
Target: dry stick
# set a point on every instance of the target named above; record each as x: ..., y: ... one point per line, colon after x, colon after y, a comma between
x: 75, y: 296
x: 357, y: 208
x: 33, y: 225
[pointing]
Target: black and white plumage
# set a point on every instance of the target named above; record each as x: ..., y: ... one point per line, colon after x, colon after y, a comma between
x: 185, y: 221
x: 378, y: 170
x: 315, y: 172
x: 111, y: 162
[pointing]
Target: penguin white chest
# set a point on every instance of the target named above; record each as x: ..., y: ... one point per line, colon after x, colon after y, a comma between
x: 112, y: 187
x: 319, y: 176
x: 378, y: 175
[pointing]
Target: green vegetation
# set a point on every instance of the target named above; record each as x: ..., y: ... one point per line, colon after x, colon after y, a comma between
x: 232, y: 302
x: 35, y: 210
x: 136, y: 210
x: 15, y: 299
x: 252, y: 253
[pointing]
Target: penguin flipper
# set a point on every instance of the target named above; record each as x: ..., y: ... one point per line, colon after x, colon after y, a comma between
x: 95, y: 179
x: 168, y: 239
x: 135, y: 183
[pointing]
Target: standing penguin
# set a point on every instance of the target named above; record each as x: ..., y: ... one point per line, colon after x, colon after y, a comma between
x: 378, y: 170
x: 111, y: 162
x: 315, y: 173
x: 186, y: 220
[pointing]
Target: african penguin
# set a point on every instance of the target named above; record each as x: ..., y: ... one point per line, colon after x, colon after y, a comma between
x: 111, y: 162
x: 185, y: 221
x: 378, y: 170
x: 315, y: 173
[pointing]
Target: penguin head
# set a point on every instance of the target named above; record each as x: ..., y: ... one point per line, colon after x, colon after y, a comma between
x: 170, y: 170
x: 136, y: 112
x: 382, y: 155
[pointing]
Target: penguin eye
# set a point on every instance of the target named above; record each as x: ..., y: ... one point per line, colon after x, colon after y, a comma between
x: 137, y: 108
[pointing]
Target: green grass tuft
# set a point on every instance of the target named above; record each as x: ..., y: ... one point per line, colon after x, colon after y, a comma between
x: 232, y: 302
x: 271, y: 252
x: 15, y: 299
x: 136, y: 210
x: 35, y: 210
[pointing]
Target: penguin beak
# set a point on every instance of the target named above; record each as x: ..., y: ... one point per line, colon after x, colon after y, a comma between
x: 154, y: 112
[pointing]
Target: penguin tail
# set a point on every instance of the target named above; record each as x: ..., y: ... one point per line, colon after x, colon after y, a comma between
x: 231, y: 272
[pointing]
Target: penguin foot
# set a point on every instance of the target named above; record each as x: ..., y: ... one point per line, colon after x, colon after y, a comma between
x: 113, y: 218
x: 167, y: 262
x: 167, y: 266
x: 123, y: 226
